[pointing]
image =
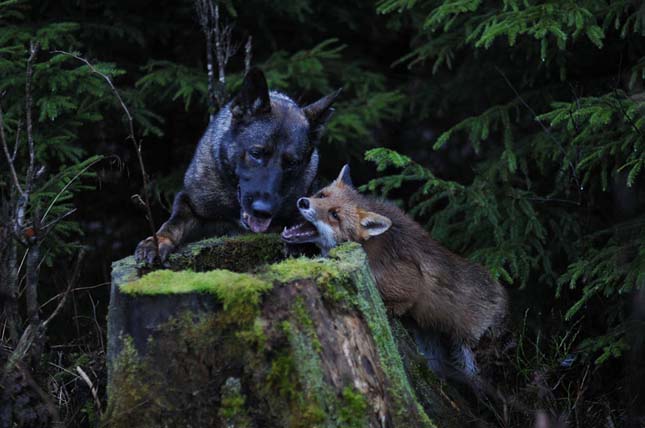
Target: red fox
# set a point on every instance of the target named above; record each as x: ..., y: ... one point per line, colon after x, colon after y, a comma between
x: 441, y: 291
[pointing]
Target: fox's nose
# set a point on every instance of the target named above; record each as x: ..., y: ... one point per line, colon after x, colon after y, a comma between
x: 303, y: 203
x: 262, y: 209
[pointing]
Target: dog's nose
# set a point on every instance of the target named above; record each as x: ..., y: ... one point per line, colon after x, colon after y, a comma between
x: 262, y: 209
x: 303, y: 203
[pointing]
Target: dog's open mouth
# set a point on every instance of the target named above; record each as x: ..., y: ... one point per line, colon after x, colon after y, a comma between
x: 300, y: 233
x: 256, y: 224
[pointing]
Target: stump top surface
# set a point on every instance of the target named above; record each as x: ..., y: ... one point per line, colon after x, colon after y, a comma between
x: 227, y: 265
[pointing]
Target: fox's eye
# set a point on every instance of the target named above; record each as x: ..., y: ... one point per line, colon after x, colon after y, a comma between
x: 320, y: 195
x: 334, y: 214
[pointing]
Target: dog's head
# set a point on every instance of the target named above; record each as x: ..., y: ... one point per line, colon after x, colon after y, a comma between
x: 273, y: 150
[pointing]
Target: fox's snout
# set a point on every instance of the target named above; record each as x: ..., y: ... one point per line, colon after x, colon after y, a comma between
x: 306, y: 209
x: 303, y: 203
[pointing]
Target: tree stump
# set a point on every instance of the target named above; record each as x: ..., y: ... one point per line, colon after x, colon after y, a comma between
x: 235, y: 335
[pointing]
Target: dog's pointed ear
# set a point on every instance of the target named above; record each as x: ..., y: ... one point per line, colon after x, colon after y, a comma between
x: 373, y: 224
x: 344, y: 176
x: 253, y: 98
x: 319, y: 112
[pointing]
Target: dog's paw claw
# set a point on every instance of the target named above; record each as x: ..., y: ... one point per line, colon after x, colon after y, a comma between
x: 146, y: 251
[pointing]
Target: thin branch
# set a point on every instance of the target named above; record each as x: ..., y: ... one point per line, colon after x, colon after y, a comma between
x: 542, y: 125
x: 626, y: 115
x: 248, y: 54
x: 219, y: 48
x: 51, y: 407
x: 93, y: 389
x: 131, y: 137
x: 10, y: 159
x: 69, y: 183
x: 15, y: 146
x: 24, y: 343
x: 50, y: 226
x: 74, y: 290
x: 33, y: 50
x: 204, y: 9
x: 70, y: 283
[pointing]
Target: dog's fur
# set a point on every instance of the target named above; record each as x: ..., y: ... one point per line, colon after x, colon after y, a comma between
x: 257, y: 156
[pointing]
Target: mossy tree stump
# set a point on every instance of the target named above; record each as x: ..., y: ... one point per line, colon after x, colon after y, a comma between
x: 234, y: 336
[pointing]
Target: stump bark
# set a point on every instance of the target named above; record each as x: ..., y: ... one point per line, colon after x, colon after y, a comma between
x: 235, y: 335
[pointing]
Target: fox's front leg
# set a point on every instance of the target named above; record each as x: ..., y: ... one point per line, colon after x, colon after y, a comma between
x: 170, y: 234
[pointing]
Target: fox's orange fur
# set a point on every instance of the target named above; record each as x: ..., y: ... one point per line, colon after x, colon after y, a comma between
x: 414, y: 273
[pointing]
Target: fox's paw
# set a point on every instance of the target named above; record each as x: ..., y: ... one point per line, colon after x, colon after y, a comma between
x: 146, y: 251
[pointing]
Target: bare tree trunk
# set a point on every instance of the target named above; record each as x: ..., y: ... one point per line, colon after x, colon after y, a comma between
x: 9, y: 283
x: 32, y: 267
x: 219, y: 45
x: 248, y: 54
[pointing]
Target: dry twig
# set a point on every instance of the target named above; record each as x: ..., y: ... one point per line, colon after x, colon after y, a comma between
x: 131, y: 136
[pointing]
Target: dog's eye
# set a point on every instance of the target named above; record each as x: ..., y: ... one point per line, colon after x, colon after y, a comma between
x: 334, y: 214
x: 290, y: 162
x: 256, y: 152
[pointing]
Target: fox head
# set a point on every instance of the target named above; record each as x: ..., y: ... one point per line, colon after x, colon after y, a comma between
x: 336, y: 214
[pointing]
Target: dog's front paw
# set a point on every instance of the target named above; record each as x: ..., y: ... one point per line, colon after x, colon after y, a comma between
x: 146, y: 251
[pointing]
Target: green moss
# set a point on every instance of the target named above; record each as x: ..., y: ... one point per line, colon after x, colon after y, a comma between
x: 282, y: 377
x: 371, y: 306
x: 129, y: 371
x: 297, y: 375
x: 331, y: 277
x: 317, y: 403
x: 301, y: 268
x: 347, y: 251
x: 180, y: 375
x: 353, y: 410
x: 242, y: 253
x: 255, y: 336
x: 232, y: 409
x: 239, y: 293
x: 306, y: 323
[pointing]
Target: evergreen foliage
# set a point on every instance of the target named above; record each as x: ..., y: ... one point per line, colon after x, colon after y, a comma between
x: 558, y: 138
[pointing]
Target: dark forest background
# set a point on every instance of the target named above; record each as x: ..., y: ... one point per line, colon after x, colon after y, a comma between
x: 513, y: 130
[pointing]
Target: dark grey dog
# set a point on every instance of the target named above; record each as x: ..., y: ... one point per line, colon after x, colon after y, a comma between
x: 257, y: 157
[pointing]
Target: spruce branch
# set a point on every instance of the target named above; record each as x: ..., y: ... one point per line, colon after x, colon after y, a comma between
x: 131, y: 136
x: 547, y: 131
x: 9, y: 157
x: 72, y: 280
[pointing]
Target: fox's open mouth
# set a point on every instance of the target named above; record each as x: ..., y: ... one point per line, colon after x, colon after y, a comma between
x: 255, y: 224
x: 300, y: 233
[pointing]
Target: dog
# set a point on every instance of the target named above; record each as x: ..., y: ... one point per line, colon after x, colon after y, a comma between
x: 258, y: 155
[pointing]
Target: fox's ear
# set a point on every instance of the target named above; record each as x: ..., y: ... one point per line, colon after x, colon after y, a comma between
x: 373, y: 224
x: 253, y: 98
x: 319, y: 112
x: 344, y: 176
